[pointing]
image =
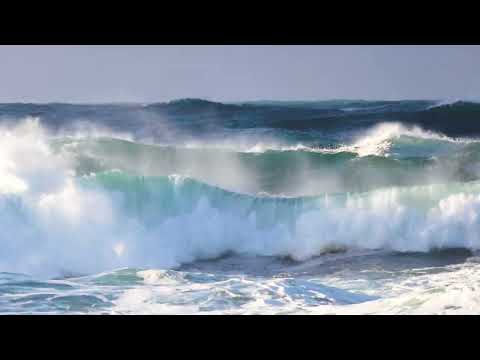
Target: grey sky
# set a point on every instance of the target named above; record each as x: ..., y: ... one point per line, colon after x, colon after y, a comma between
x: 237, y: 73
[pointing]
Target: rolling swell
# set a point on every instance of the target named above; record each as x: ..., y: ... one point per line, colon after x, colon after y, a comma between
x: 196, y: 117
x: 408, y: 161
x: 418, y: 218
x: 113, y: 220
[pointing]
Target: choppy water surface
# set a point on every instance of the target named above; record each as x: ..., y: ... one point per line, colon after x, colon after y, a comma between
x: 198, y: 207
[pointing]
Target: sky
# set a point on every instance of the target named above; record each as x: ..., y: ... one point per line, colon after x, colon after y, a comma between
x: 97, y: 74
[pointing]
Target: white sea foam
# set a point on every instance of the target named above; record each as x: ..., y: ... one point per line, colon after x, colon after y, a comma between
x: 379, y: 140
x: 455, y: 290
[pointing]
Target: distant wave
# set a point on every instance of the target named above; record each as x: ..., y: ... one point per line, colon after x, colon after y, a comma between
x: 196, y: 117
x: 387, y: 155
x: 454, y: 103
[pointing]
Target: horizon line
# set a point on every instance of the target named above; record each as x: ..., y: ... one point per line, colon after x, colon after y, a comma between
x: 236, y: 102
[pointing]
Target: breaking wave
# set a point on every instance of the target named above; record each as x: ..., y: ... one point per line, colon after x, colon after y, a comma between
x: 56, y: 219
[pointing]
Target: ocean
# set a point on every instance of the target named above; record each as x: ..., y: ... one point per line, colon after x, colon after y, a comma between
x: 267, y: 207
